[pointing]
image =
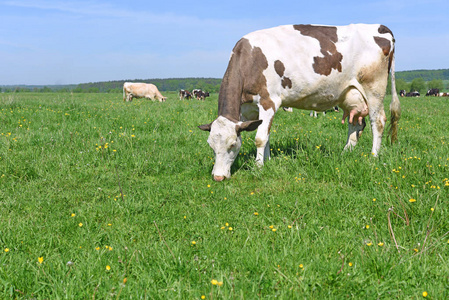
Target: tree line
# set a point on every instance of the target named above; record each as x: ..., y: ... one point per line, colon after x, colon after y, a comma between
x: 418, y: 80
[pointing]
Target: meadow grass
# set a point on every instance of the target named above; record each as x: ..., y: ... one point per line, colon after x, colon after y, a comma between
x: 102, y: 199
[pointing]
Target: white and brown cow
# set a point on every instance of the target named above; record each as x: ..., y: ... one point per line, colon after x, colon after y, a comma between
x: 311, y: 67
x: 141, y: 90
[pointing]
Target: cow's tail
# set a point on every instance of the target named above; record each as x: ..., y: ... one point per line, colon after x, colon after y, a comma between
x: 395, y: 105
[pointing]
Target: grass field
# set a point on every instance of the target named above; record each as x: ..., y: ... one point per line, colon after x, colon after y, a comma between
x: 102, y: 199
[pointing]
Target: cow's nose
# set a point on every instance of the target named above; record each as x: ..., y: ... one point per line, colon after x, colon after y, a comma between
x: 219, y: 178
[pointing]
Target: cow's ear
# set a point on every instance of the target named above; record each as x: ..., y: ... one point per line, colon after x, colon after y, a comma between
x: 248, y: 126
x: 205, y: 127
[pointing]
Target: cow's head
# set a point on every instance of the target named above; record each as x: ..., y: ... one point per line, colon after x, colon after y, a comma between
x: 225, y: 140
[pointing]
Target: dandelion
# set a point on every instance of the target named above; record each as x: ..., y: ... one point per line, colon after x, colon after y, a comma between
x: 271, y: 226
x: 40, y: 259
x: 6, y: 249
x: 203, y: 297
x: 274, y: 229
x: 416, y: 250
x: 350, y: 264
x: 367, y: 226
x: 125, y: 280
x: 80, y: 224
x: 301, y: 266
x: 72, y: 215
x: 256, y: 213
x: 193, y: 243
x: 424, y: 294
x: 412, y: 200
x: 97, y: 248
x: 369, y: 244
x: 108, y: 267
x: 380, y: 244
x: 230, y: 228
x: 374, y: 199
x: 214, y: 282
x: 289, y: 226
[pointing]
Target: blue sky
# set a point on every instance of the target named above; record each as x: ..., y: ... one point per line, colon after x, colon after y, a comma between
x: 69, y: 42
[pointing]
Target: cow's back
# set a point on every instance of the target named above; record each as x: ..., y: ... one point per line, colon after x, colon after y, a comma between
x: 311, y: 66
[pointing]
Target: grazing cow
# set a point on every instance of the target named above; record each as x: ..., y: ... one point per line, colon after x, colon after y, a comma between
x: 202, y: 95
x: 413, y: 94
x: 402, y: 93
x: 312, y: 67
x: 433, y: 92
x: 196, y: 92
x: 313, y: 113
x: 444, y: 95
x: 141, y: 90
x: 183, y: 94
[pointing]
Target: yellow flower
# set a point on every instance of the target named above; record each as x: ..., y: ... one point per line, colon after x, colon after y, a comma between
x: 350, y: 264
x: 230, y: 228
x: 40, y: 259
x: 193, y: 243
x: 203, y: 297
x: 226, y: 224
x: 108, y: 267
x: 271, y: 226
x: 424, y: 294
x: 220, y: 283
x: 374, y: 199
x: 6, y: 249
x: 367, y: 226
x: 256, y: 213
x: 301, y: 266
x: 369, y: 244
x: 416, y: 250
x: 97, y: 248
x: 214, y: 282
x: 72, y: 215
x: 80, y: 224
x: 274, y: 229
x: 380, y: 244
x: 412, y: 200
x: 289, y: 226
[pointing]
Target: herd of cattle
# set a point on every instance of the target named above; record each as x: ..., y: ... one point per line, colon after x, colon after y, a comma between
x: 150, y: 91
x: 309, y: 67
x: 431, y: 92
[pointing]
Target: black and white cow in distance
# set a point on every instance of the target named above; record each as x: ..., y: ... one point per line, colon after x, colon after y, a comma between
x: 311, y: 67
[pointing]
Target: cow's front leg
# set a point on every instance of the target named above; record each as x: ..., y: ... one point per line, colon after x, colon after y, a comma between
x: 354, y: 133
x: 263, y: 135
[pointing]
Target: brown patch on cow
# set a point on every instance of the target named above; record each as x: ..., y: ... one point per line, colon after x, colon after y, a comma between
x: 384, y: 29
x: 280, y: 69
x: 327, y: 36
x: 384, y: 44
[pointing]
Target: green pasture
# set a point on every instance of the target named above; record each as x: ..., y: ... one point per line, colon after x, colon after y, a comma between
x: 101, y: 199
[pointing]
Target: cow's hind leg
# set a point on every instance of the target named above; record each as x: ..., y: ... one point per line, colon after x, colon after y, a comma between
x: 354, y: 133
x: 378, y: 120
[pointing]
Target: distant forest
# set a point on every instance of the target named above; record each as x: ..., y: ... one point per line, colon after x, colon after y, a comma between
x: 407, y: 80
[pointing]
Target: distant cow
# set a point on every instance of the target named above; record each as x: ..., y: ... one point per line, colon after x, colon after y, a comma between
x: 402, y: 93
x: 313, y: 113
x: 311, y: 67
x: 196, y: 92
x: 413, y: 94
x: 141, y: 90
x: 433, y: 92
x: 444, y: 95
x: 202, y: 95
x: 183, y: 94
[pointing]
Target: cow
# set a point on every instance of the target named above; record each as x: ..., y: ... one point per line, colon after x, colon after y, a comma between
x: 311, y: 67
x: 196, y: 92
x: 141, y: 90
x: 402, y: 93
x: 183, y: 94
x: 444, y: 94
x: 314, y: 114
x: 413, y: 94
x: 202, y: 95
x: 433, y: 92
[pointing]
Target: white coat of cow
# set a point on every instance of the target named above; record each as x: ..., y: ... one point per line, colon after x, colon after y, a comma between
x: 141, y: 90
x: 311, y: 67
